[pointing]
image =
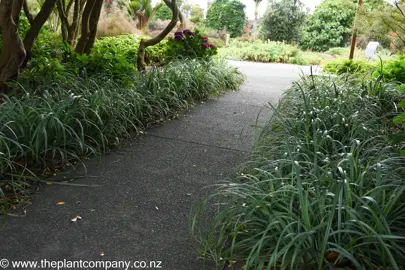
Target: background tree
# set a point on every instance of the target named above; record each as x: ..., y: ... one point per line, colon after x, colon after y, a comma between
x: 330, y: 25
x: 165, y: 13
x: 227, y: 15
x: 374, y: 23
x: 186, y: 9
x: 283, y: 21
x: 257, y: 4
x: 196, y: 14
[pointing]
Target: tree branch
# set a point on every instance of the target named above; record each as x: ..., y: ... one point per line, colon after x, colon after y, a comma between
x: 153, y: 41
x: 37, y: 24
x: 27, y: 12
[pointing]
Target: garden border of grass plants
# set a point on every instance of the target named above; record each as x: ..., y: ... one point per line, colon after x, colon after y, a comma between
x: 324, y: 187
x: 54, y: 121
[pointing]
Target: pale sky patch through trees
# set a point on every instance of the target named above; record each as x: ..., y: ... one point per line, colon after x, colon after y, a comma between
x: 250, y: 5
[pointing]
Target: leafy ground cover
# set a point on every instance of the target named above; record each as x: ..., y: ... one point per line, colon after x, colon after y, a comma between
x: 324, y: 187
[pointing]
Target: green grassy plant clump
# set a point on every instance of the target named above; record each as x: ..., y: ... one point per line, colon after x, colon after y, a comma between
x: 324, y: 188
x: 62, y: 120
x: 342, y: 66
x: 270, y: 52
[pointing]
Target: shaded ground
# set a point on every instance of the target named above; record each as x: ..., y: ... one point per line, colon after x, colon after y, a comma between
x: 140, y: 209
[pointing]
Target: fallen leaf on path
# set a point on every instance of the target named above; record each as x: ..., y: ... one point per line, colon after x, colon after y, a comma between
x: 60, y: 203
x: 194, y: 166
x: 102, y: 254
x: 76, y: 218
x: 332, y: 256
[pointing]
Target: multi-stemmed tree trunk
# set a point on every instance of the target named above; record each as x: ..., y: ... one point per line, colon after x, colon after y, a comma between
x: 13, y: 52
x: 37, y: 24
x: 150, y: 42
x: 91, y: 15
x: 16, y: 52
x: 70, y: 30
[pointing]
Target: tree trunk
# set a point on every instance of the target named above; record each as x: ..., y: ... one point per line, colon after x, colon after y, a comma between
x: 37, y: 24
x: 13, y: 52
x: 142, y: 19
x: 93, y: 22
x: 17, y: 6
x: 27, y: 12
x: 182, y: 22
x: 74, y: 27
x: 60, y: 4
x: 69, y: 30
x: 85, y: 31
x: 150, y: 42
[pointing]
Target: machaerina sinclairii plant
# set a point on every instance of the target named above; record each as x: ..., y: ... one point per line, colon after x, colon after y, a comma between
x: 58, y: 120
x: 324, y: 189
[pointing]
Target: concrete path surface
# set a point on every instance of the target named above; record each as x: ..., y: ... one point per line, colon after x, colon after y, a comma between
x: 140, y: 209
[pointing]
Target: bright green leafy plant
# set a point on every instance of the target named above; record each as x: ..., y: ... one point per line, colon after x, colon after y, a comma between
x: 393, y: 70
x: 342, y: 66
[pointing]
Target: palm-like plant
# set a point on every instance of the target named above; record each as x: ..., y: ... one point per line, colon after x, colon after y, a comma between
x: 143, y: 11
x: 257, y: 4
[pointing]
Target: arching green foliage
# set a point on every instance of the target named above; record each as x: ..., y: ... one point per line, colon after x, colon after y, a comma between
x: 227, y: 14
x: 330, y: 25
x: 283, y: 21
x: 164, y: 13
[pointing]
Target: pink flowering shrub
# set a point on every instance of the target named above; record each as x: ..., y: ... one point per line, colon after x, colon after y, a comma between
x: 189, y: 45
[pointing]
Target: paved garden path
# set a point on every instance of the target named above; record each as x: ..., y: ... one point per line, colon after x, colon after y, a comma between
x: 141, y: 207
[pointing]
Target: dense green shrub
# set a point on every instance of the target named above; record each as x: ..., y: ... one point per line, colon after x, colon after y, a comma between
x: 115, y: 56
x: 227, y: 15
x: 187, y: 44
x: 393, y: 70
x: 329, y: 26
x: 63, y: 119
x: 341, y: 66
x: 324, y: 189
x: 283, y: 21
x: 269, y: 51
x: 163, y: 13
